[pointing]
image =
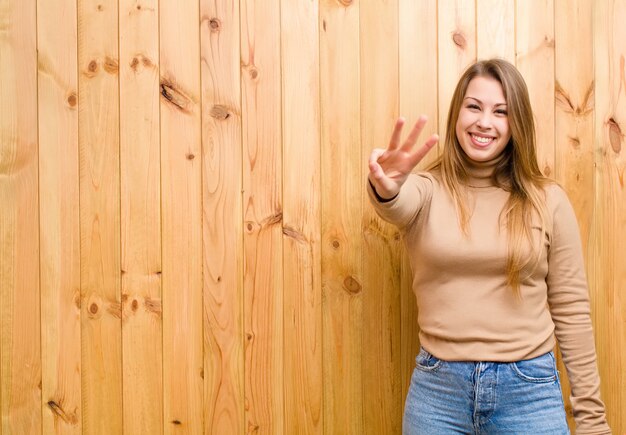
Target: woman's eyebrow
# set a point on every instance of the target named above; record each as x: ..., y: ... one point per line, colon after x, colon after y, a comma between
x: 495, y: 105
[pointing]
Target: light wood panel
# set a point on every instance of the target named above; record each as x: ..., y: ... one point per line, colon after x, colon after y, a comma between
x: 418, y: 95
x: 181, y: 208
x: 574, y: 105
x: 263, y: 217
x: 609, y: 222
x: 217, y: 247
x: 534, y: 27
x: 456, y: 47
x: 418, y: 69
x: 382, y: 380
x: 301, y: 216
x: 140, y: 209
x: 20, y: 351
x: 221, y: 218
x: 495, y: 29
x: 59, y: 221
x: 99, y: 216
x: 342, y: 245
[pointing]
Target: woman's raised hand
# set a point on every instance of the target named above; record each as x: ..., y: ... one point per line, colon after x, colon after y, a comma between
x: 390, y: 168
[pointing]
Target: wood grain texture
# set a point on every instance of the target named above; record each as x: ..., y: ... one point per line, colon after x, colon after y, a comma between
x: 222, y: 218
x: 217, y: 246
x: 181, y: 208
x: 495, y: 29
x: 456, y: 47
x: 418, y: 68
x: 301, y: 217
x: 534, y: 27
x: 574, y: 114
x: 20, y: 354
x: 99, y: 216
x: 140, y: 217
x: 59, y: 218
x: 609, y: 222
x: 418, y: 95
x: 382, y: 380
x: 263, y: 217
x: 342, y: 244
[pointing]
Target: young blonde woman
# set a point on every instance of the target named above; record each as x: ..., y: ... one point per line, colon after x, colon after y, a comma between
x: 498, y: 270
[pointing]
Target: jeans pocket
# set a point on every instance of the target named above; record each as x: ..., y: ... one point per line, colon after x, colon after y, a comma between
x: 537, y: 370
x: 426, y: 361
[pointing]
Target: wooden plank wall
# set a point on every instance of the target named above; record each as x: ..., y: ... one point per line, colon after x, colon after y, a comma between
x: 186, y: 245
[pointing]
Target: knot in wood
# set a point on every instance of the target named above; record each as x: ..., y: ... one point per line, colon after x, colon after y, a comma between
x: 351, y: 285
x: 110, y: 65
x: 254, y: 72
x: 175, y: 96
x: 615, y: 135
x: 219, y: 112
x: 459, y: 40
x: 547, y: 171
x: 72, y: 100
x: 215, y: 24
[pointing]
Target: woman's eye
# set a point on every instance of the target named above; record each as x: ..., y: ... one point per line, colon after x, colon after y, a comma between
x: 473, y: 106
x: 501, y: 112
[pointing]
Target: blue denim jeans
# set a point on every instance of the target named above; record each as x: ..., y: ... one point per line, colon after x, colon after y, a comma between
x: 522, y: 397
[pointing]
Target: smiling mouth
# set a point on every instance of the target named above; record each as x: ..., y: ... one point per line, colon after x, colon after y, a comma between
x: 481, y: 141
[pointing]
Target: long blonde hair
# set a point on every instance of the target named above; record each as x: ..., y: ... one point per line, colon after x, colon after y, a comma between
x: 518, y: 167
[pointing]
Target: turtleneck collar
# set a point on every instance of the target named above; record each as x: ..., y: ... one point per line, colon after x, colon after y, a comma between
x: 480, y: 174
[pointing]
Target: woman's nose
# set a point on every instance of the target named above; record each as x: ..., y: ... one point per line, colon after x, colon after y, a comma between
x: 484, y: 120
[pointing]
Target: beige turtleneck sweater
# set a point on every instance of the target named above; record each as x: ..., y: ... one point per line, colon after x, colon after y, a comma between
x: 466, y: 310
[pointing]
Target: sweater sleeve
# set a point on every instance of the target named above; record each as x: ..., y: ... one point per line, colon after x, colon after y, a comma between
x: 568, y: 298
x: 406, y: 205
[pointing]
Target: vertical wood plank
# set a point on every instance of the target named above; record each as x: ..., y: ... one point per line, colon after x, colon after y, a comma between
x: 59, y: 217
x: 140, y: 217
x: 20, y: 354
x: 418, y: 95
x: 574, y: 114
x: 418, y: 68
x: 301, y: 227
x: 609, y: 223
x: 382, y: 381
x: 574, y: 107
x: 263, y: 217
x: 535, y: 60
x: 342, y: 245
x: 495, y: 29
x: 100, y: 216
x: 181, y: 208
x: 457, y: 49
x: 222, y: 218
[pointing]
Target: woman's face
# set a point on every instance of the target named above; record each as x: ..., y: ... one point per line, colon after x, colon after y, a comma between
x: 482, y: 127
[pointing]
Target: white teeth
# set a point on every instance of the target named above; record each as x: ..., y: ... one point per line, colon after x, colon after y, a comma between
x: 482, y: 140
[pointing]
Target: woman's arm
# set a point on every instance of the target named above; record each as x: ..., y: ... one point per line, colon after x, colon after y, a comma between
x: 568, y: 298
